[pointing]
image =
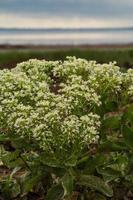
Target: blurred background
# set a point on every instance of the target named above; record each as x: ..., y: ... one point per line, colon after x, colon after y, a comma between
x: 53, y: 29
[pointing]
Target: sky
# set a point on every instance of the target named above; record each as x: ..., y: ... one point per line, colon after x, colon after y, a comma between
x: 66, y: 13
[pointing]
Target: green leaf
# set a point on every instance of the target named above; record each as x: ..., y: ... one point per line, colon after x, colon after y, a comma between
x: 21, y: 143
x: 10, y: 189
x: 15, y: 190
x: 111, y: 105
x: 6, y: 189
x: 29, y: 182
x: 11, y: 159
x: 128, y: 115
x: 55, y: 193
x: 108, y: 173
x: 72, y: 161
x: 83, y: 160
x: 110, y: 146
x: 67, y: 183
x: 112, y: 122
x: 128, y: 136
x: 50, y: 161
x: 93, y: 162
x: 94, y: 196
x: 100, y: 197
x: 3, y: 138
x: 95, y: 183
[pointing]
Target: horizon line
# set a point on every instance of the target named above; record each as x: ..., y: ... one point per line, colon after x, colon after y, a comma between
x: 67, y: 28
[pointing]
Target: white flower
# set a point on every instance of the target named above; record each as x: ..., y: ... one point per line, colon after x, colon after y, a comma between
x: 62, y: 119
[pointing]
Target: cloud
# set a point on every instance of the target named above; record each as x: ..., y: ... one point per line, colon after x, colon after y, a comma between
x: 12, y: 20
x: 65, y: 13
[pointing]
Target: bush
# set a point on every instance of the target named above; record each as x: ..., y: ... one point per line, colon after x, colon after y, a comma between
x: 66, y: 130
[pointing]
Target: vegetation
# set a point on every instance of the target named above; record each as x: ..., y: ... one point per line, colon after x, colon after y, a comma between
x: 66, y: 131
x: 123, y: 56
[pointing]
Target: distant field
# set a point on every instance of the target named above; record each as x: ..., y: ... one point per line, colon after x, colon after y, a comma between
x: 123, y: 55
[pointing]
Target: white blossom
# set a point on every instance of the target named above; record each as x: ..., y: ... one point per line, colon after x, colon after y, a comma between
x: 64, y: 117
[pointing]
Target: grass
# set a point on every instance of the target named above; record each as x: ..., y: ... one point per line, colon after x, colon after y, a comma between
x: 123, y: 56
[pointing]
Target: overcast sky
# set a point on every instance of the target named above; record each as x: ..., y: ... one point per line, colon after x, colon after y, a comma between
x: 66, y: 13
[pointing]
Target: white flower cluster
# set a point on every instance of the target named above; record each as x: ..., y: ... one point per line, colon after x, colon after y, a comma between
x: 61, y: 117
x: 128, y: 82
x: 74, y: 66
x: 104, y: 78
x: 36, y: 68
x: 59, y: 132
x: 79, y: 93
x: 108, y: 78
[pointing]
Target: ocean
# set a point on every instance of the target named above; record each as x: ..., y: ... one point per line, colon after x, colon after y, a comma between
x: 66, y: 36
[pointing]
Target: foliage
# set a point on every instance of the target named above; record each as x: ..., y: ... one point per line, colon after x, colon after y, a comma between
x: 66, y: 131
x: 122, y: 54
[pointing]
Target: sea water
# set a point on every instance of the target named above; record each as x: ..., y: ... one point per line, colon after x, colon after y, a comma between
x: 66, y: 36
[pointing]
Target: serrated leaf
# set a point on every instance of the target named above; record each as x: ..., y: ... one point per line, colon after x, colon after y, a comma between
x: 50, y: 161
x: 55, y: 193
x: 95, y: 183
x: 108, y: 173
